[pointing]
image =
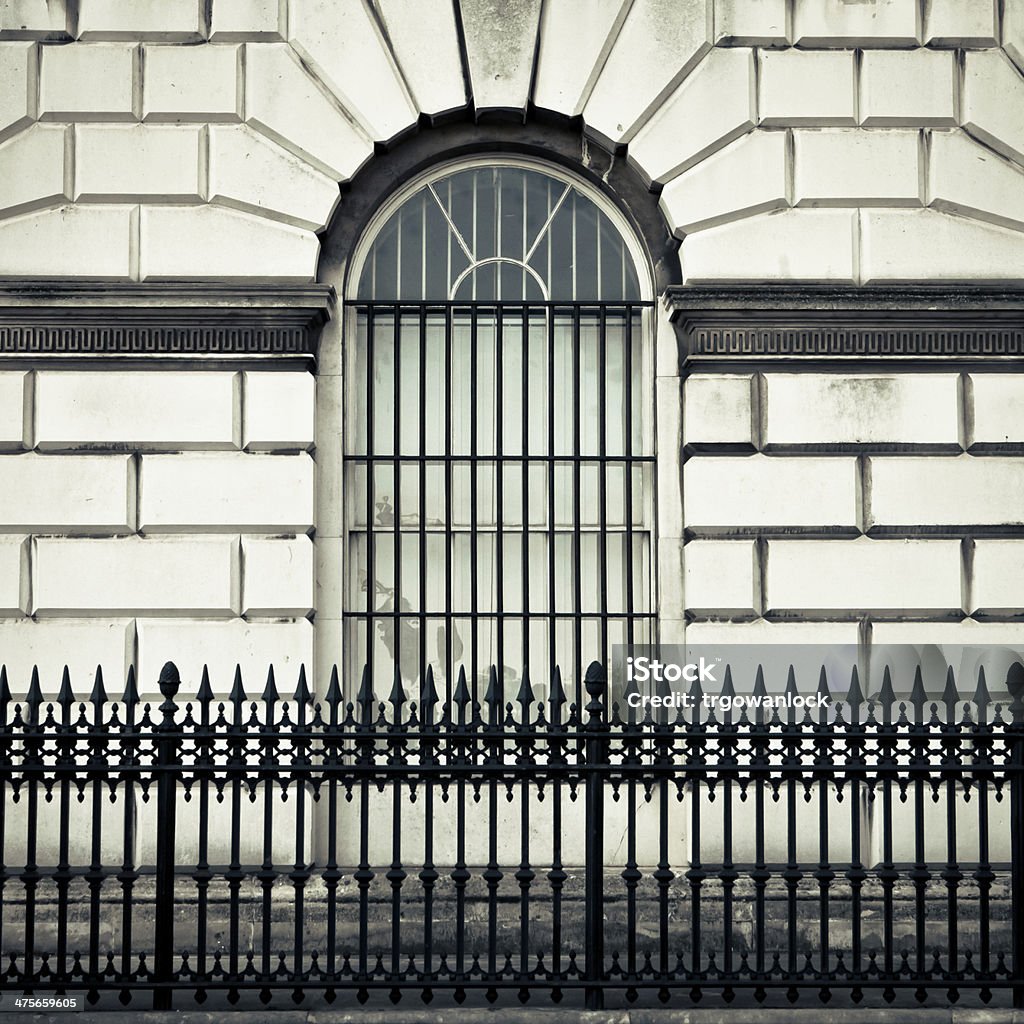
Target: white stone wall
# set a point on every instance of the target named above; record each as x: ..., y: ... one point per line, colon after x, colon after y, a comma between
x: 856, y: 507
x: 152, y: 515
x: 813, y: 140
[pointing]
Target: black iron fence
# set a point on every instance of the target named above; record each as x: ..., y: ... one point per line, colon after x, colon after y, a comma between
x: 466, y: 849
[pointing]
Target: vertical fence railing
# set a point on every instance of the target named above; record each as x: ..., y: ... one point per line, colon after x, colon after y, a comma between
x: 418, y: 881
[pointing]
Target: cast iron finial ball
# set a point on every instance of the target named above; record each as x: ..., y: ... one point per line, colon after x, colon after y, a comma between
x: 170, y: 681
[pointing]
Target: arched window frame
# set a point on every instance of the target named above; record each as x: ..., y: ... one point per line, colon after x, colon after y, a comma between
x: 647, y: 324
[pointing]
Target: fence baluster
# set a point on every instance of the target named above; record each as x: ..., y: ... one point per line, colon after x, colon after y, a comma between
x: 1015, y: 684
x: 596, y: 758
x: 166, y: 796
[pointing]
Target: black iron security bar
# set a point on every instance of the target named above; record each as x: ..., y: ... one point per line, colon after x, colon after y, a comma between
x: 504, y: 484
x: 874, y: 849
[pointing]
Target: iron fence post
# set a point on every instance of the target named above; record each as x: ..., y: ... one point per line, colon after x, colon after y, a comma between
x: 166, y: 792
x: 596, y: 758
x: 1015, y: 684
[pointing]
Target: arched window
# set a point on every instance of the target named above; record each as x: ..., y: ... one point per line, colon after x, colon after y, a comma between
x: 499, y: 455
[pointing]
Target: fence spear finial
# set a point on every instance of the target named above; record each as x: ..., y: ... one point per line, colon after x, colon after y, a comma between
x: 237, y: 695
x: 397, y: 696
x: 918, y: 696
x: 887, y: 696
x: 525, y: 695
x: 855, y: 695
x: 950, y: 695
x: 65, y: 698
x: 5, y: 695
x: 34, y: 697
x: 98, y: 697
x: 131, y: 692
x: 270, y: 694
x: 428, y: 695
x: 205, y: 692
x: 302, y: 695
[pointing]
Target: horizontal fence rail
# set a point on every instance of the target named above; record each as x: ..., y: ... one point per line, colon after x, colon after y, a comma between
x: 292, y: 849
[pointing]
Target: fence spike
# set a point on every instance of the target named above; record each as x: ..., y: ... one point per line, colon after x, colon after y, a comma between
x: 791, y: 689
x: 365, y: 697
x: 5, y: 694
x: 981, y: 695
x: 428, y: 693
x: 237, y: 695
x: 759, y: 687
x: 855, y: 695
x: 205, y: 692
x: 270, y: 694
x: 34, y: 697
x: 98, y: 697
x: 918, y: 697
x: 65, y: 698
x: 728, y: 687
x: 823, y: 690
x: 887, y: 695
x: 131, y: 692
x: 950, y: 696
x: 462, y: 697
x: 556, y: 698
x: 397, y: 696
x: 302, y: 695
x: 334, y: 695
x: 525, y: 695
x: 494, y: 698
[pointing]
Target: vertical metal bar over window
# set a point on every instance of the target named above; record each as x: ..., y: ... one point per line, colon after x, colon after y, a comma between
x: 499, y: 437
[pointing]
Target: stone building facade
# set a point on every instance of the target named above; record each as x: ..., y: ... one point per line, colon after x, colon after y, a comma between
x: 828, y: 203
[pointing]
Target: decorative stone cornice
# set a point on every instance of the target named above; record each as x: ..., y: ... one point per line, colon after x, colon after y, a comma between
x: 162, y: 320
x: 776, y: 322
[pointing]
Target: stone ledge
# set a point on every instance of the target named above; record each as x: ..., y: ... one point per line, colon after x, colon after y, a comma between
x: 46, y: 318
x: 776, y: 322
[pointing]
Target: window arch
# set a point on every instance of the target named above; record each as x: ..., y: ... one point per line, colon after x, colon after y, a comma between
x: 499, y: 466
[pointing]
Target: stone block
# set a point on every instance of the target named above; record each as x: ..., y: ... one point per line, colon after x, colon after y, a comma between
x: 714, y: 105
x: 993, y: 95
x: 1013, y: 31
x: 279, y: 411
x: 908, y: 87
x: 803, y: 88
x: 143, y: 409
x: 997, y: 582
x: 32, y: 168
x: 135, y: 576
x: 752, y: 23
x: 81, y: 644
x: 853, y: 167
x: 723, y: 496
x: 278, y: 576
x: 238, y: 492
x: 584, y: 29
x: 805, y: 645
x: 719, y: 412
x: 15, y: 409
x: 34, y: 19
x: 177, y: 20
x: 203, y: 242
x: 344, y: 47
x: 745, y: 178
x: 787, y: 245
x: 845, y: 412
x: 192, y: 83
x: 18, y: 73
x: 69, y: 241
x: 137, y: 162
x: 872, y: 24
x: 921, y: 245
x: 965, y: 493
x: 963, y: 646
x: 87, y: 82
x: 961, y: 23
x: 73, y: 494
x: 234, y: 20
x: 500, y: 64
x: 721, y: 578
x: 254, y: 646
x: 426, y: 45
x: 276, y: 85
x: 968, y: 178
x: 894, y: 577
x: 659, y: 44
x: 14, y: 577
x: 250, y: 172
x: 996, y: 412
